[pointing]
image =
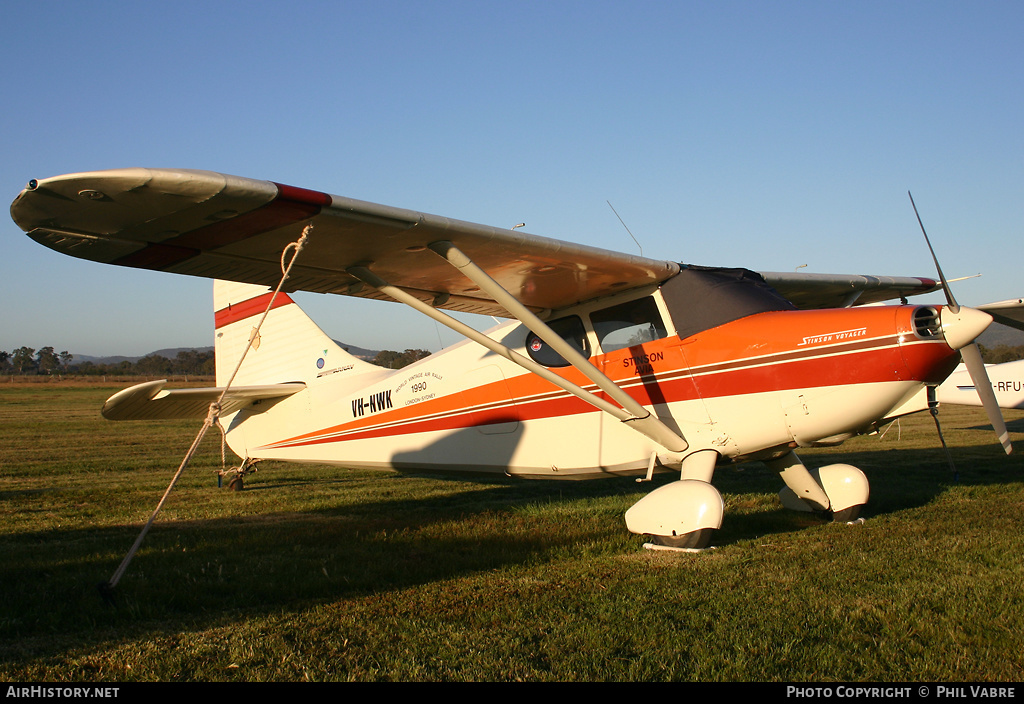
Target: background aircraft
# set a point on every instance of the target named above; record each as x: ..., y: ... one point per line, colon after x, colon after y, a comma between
x: 1007, y: 384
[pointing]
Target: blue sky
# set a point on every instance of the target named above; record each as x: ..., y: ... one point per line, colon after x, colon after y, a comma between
x: 768, y: 135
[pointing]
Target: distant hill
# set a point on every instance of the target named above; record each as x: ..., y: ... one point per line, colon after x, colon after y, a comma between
x: 117, y: 359
x: 360, y: 352
x: 998, y: 334
x: 171, y: 353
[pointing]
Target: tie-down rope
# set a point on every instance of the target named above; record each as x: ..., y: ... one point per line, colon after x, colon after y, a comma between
x: 213, y: 415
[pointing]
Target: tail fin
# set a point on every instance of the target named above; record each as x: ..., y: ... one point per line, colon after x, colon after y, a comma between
x: 289, y: 346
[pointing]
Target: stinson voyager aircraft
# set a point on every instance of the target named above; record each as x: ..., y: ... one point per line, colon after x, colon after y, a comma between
x: 609, y: 364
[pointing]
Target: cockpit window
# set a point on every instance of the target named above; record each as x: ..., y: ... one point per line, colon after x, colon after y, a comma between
x: 628, y: 324
x: 569, y: 329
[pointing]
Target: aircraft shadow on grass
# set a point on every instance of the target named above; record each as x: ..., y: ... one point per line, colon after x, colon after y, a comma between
x: 1014, y: 426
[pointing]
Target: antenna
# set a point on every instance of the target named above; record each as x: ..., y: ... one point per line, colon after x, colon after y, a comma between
x: 624, y: 225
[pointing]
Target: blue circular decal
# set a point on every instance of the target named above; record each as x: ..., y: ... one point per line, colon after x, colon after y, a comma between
x: 320, y: 363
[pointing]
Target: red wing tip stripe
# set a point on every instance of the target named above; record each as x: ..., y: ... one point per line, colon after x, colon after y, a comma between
x: 246, y: 309
x: 303, y: 195
x: 290, y: 206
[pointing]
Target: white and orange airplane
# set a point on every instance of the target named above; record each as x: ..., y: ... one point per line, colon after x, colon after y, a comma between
x: 611, y: 364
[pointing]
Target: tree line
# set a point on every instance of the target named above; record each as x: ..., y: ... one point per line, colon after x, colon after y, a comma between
x: 396, y: 360
x: 26, y: 361
x: 998, y: 354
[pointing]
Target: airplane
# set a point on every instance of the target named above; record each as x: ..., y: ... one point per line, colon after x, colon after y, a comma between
x: 1007, y: 384
x: 607, y: 364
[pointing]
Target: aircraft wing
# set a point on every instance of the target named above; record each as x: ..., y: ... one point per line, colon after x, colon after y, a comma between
x: 1006, y: 312
x: 148, y: 401
x: 212, y: 225
x: 841, y: 290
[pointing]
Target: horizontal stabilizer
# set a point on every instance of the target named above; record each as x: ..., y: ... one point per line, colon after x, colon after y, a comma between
x: 148, y: 401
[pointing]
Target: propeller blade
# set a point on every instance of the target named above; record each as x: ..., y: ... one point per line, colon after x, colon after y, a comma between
x: 982, y: 384
x: 945, y: 284
x: 971, y: 355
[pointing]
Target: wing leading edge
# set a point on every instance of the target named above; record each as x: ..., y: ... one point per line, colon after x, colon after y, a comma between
x: 843, y: 291
x: 207, y: 224
x: 1007, y: 312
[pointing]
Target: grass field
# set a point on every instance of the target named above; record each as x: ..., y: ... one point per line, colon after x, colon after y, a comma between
x: 319, y: 573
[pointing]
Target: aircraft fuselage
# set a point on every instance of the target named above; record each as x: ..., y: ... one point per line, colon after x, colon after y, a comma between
x: 748, y: 389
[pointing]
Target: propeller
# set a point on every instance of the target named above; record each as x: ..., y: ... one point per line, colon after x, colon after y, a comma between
x: 969, y: 351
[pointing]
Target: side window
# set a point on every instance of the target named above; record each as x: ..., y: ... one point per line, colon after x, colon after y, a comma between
x: 628, y: 324
x: 569, y: 329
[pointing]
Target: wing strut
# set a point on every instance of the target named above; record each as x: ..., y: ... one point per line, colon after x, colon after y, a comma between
x: 403, y: 296
x: 631, y: 412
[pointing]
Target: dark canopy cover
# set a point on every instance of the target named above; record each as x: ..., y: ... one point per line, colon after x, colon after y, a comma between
x: 703, y: 297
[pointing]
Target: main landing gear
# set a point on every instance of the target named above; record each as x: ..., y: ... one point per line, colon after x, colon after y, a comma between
x: 838, y: 491
x: 684, y: 515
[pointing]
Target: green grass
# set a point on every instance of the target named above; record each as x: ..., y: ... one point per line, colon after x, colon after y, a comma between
x: 319, y: 573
